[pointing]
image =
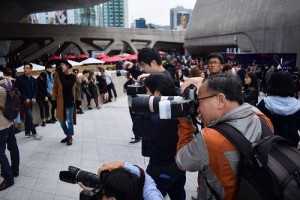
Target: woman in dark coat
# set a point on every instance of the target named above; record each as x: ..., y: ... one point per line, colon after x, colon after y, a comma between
x: 42, y: 97
x: 251, y: 88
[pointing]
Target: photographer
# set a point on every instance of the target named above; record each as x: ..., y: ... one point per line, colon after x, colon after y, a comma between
x: 124, y: 182
x: 159, y: 140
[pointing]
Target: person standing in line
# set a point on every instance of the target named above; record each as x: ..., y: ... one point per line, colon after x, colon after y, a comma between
x: 42, y: 98
x: 50, y: 80
x: 110, y: 85
x: 78, y: 96
x: 93, y: 88
x: 64, y: 95
x: 7, y: 137
x: 28, y: 88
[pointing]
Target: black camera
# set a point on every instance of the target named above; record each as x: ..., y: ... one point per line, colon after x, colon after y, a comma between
x: 121, y: 72
x: 168, y: 107
x: 75, y: 175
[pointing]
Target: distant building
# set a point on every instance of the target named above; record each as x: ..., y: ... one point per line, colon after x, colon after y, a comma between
x: 115, y: 13
x: 179, y: 18
x: 140, y: 23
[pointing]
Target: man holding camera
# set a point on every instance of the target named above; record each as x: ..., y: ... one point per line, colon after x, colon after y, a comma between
x: 28, y: 88
x: 122, y: 180
x: 209, y: 152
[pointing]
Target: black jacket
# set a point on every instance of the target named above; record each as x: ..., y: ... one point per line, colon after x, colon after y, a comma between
x: 251, y: 96
x: 160, y: 136
x: 42, y: 89
x: 27, y: 87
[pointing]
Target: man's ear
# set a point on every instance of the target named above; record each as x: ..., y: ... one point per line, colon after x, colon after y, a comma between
x: 153, y: 63
x: 221, y: 100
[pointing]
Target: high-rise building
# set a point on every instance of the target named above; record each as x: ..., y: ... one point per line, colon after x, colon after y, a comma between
x: 115, y: 13
x: 179, y: 18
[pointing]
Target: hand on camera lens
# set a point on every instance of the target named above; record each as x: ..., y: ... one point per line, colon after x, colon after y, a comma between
x: 85, y: 187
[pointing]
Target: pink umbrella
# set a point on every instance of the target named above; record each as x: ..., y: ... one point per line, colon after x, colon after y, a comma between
x: 82, y: 56
x: 131, y: 57
x: 70, y: 56
x: 54, y: 57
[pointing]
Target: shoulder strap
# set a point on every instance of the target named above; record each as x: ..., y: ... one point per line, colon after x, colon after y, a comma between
x: 141, y: 180
x: 236, y: 138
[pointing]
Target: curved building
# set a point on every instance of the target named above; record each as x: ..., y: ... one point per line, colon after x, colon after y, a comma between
x: 256, y: 26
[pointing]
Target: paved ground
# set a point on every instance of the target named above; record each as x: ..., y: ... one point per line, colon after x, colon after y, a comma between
x: 100, y: 136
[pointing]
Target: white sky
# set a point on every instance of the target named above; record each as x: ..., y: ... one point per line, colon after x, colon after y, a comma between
x: 155, y: 11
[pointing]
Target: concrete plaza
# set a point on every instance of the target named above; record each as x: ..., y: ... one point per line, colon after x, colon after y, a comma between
x: 100, y: 136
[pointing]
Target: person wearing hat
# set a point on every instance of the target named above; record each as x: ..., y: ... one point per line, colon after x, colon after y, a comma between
x: 64, y: 95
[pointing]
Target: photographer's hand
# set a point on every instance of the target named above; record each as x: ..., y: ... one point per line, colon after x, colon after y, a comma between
x: 197, y: 81
x: 142, y: 76
x: 85, y: 187
x: 127, y: 65
x: 110, y: 166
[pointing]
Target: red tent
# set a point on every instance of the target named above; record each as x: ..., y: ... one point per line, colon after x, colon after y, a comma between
x: 82, y: 56
x: 54, y: 57
x: 101, y: 55
x: 112, y: 59
x: 162, y: 53
x: 70, y: 56
x: 131, y: 57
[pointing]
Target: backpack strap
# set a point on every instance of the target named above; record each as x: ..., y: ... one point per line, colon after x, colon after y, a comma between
x: 236, y: 138
x: 141, y: 180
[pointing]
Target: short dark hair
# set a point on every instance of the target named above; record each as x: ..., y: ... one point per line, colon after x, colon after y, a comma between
x: 160, y: 82
x: 28, y: 63
x: 216, y: 55
x: 122, y: 184
x: 7, y: 71
x: 65, y: 61
x: 229, y: 85
x: 281, y: 84
x: 147, y: 55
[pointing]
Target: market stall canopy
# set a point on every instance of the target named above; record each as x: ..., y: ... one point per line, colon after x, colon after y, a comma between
x: 35, y: 67
x: 54, y: 57
x: 74, y: 63
x: 131, y: 57
x: 70, y: 57
x: 82, y: 56
x: 90, y: 61
x: 112, y: 59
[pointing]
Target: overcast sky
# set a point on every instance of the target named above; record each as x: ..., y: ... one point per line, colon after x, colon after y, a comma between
x: 155, y: 11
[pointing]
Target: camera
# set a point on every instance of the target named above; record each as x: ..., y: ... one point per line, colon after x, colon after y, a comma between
x: 75, y: 175
x: 168, y: 107
x: 121, y: 73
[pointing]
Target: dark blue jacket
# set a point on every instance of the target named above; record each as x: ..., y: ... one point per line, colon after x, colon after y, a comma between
x: 27, y: 87
x: 160, y: 136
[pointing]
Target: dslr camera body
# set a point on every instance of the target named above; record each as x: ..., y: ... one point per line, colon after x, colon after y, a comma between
x: 168, y: 107
x: 75, y: 175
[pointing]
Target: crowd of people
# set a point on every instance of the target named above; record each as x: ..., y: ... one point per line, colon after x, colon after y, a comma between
x: 226, y: 94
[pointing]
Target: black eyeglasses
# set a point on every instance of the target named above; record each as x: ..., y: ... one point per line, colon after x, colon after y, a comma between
x: 207, y: 97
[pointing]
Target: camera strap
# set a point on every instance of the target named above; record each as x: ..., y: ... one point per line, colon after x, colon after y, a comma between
x: 141, y: 180
x: 195, y: 122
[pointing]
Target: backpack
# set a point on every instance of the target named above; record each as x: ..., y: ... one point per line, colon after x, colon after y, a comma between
x: 269, y: 169
x: 12, y: 102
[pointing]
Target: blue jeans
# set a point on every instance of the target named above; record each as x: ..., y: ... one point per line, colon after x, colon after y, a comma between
x: 67, y: 125
x: 7, y: 136
x: 169, y: 180
x: 29, y: 126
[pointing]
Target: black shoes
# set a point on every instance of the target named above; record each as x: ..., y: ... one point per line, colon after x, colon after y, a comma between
x: 64, y: 140
x: 90, y: 108
x: 6, y: 184
x: 43, y: 123
x: 17, y: 131
x: 54, y: 120
x: 68, y: 140
x: 134, y: 141
x: 50, y: 121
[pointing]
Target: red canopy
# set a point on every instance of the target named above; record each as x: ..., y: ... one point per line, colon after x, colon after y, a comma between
x: 131, y: 57
x: 162, y: 53
x: 82, y: 56
x: 54, y: 57
x: 101, y: 55
x: 112, y: 59
x: 70, y: 56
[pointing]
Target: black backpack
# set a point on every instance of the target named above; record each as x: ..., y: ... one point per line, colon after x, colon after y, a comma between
x: 12, y: 102
x: 268, y: 170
